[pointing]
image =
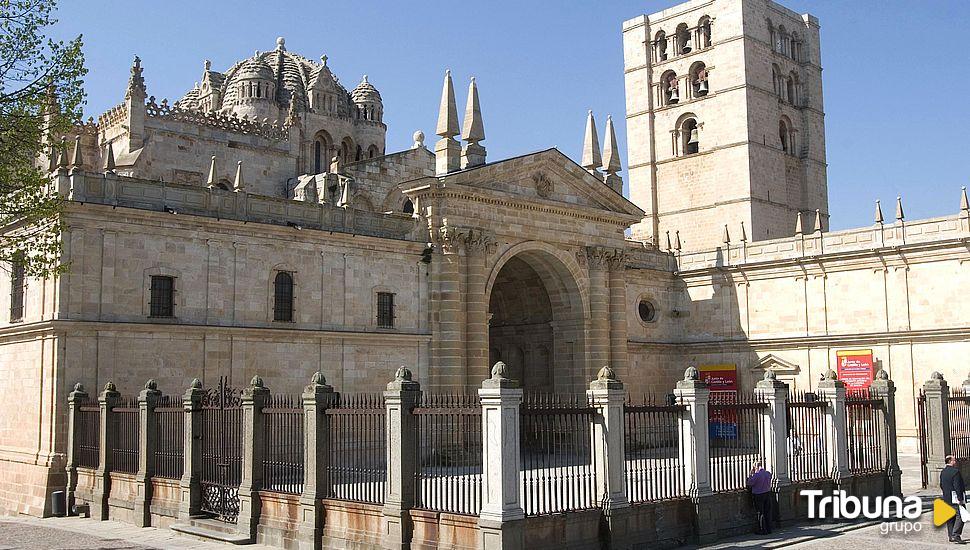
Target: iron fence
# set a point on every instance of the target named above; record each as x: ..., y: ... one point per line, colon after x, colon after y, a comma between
x: 736, y: 434
x: 921, y: 433
x: 866, y: 431
x: 124, y: 452
x: 558, y: 471
x: 806, y: 437
x: 222, y: 452
x: 448, y: 477
x: 357, y: 466
x: 958, y: 406
x: 653, y: 465
x: 167, y: 460
x: 87, y: 434
x: 283, y: 445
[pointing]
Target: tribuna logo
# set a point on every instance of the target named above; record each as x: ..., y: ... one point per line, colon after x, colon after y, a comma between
x: 843, y: 506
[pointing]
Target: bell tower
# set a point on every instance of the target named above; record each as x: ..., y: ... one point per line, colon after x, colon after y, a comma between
x: 724, y: 121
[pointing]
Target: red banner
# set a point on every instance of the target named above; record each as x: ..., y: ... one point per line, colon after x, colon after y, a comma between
x: 855, y: 368
x: 720, y: 377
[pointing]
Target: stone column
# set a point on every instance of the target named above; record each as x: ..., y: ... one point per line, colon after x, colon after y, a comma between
x: 619, y: 341
x: 607, y: 396
x: 147, y: 440
x: 107, y: 433
x: 695, y: 452
x: 448, y: 340
x: 598, y: 344
x: 254, y: 398
x: 75, y: 399
x: 500, y: 525
x: 401, y: 432
x: 317, y: 397
x: 478, y: 245
x: 774, y: 445
x: 937, y: 428
x: 832, y: 391
x: 884, y: 388
x: 190, y: 499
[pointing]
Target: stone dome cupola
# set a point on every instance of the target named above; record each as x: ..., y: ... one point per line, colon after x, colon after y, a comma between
x: 252, y: 90
x: 368, y: 101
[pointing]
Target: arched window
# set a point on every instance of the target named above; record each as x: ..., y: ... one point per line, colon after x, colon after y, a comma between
x: 704, y: 32
x: 316, y: 157
x: 772, y: 35
x: 359, y: 155
x: 776, y: 79
x: 408, y: 207
x: 222, y: 185
x: 373, y: 151
x: 669, y: 92
x: 17, y: 288
x: 660, y: 46
x: 698, y: 79
x: 283, y: 297
x: 793, y: 47
x: 790, y: 89
x: 782, y: 44
x: 690, y: 137
x: 783, y: 136
x: 683, y: 39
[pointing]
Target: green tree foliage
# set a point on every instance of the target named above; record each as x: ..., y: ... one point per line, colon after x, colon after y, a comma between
x: 41, y: 96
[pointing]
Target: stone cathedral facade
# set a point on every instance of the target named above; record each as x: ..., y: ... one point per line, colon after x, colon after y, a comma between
x: 257, y: 225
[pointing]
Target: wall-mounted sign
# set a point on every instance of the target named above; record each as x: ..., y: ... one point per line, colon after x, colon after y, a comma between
x: 722, y: 381
x: 720, y: 377
x: 855, y: 368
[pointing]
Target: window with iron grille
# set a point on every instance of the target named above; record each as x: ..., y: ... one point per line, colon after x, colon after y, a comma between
x: 17, y: 289
x: 162, y: 296
x: 283, y: 297
x: 385, y: 310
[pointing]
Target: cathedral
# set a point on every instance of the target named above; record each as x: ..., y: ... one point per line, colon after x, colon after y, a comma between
x: 258, y: 225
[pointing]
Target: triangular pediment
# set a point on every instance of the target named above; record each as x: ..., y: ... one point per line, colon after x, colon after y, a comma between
x: 777, y: 365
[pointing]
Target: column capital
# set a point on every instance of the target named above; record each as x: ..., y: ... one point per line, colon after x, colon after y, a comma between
x: 602, y: 258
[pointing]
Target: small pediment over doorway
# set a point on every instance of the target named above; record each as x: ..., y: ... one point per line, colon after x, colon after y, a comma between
x: 786, y: 371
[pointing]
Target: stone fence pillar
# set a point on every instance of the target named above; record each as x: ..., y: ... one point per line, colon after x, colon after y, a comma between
x: 695, y: 452
x: 107, y: 433
x: 190, y: 500
x: 774, y: 445
x: 607, y: 396
x: 317, y: 397
x: 832, y: 391
x: 500, y: 520
x: 937, y: 427
x: 401, y: 430
x: 74, y: 400
x: 254, y: 398
x: 884, y: 388
x: 147, y: 441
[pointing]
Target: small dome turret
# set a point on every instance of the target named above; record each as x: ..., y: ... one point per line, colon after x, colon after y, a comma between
x: 368, y: 101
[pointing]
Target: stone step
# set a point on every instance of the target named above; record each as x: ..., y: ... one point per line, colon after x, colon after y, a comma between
x: 211, y: 529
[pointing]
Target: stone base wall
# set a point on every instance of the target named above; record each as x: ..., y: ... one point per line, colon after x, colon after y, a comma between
x: 121, y: 500
x: 165, y: 502
x: 279, y: 520
x: 442, y: 531
x: 352, y: 525
x: 573, y: 530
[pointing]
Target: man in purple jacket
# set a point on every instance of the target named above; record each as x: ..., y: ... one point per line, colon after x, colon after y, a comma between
x: 759, y: 482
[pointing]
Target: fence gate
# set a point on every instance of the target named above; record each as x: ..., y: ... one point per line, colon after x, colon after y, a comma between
x: 921, y: 430
x: 222, y: 425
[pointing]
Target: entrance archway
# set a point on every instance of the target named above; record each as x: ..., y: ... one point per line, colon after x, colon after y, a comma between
x: 537, y: 322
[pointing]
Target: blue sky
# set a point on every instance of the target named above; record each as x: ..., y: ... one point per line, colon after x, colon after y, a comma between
x: 896, y: 73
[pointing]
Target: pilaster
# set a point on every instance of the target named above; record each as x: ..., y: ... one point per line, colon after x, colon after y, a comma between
x: 598, y: 260
x: 147, y: 441
x: 478, y: 245
x: 619, y: 327
x: 450, y: 372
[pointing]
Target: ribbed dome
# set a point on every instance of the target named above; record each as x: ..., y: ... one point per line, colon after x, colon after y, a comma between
x: 254, y: 69
x: 365, y: 92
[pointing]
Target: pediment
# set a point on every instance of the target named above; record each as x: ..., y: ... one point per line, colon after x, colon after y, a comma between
x: 777, y: 365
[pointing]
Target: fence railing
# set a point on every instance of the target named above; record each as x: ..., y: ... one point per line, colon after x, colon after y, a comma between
x: 283, y: 445
x: 168, y: 456
x: 87, y: 443
x: 653, y: 466
x: 357, y: 465
x: 806, y: 438
x: 124, y: 453
x: 958, y: 408
x: 736, y: 433
x: 558, y: 471
x: 448, y: 476
x: 864, y: 418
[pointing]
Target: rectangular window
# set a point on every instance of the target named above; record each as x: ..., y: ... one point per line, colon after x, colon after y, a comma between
x: 163, y: 294
x: 17, y: 290
x: 385, y: 310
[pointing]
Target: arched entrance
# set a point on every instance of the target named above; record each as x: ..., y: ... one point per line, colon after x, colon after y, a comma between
x: 536, y: 322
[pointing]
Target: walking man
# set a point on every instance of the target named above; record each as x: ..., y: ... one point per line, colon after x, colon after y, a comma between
x: 951, y: 483
x: 759, y: 482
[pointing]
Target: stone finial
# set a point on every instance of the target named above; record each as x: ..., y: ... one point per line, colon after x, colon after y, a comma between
x: 692, y: 374
x: 318, y: 379
x: 280, y: 43
x: 256, y: 382
x: 936, y: 376
x: 52, y: 158
x: 818, y: 220
x: 136, y: 82
x: 151, y: 384
x: 500, y: 370
x: 669, y: 247
x: 606, y: 380
x: 78, y: 387
x: 292, y: 116
x: 473, y: 129
x: 418, y: 140
x: 798, y: 224
x: 770, y: 375
x: 964, y: 205
x: 830, y: 375
x: 110, y: 387
x: 109, y: 161
x: 335, y: 164
x: 62, y: 153
x: 606, y: 373
x: 592, y: 159
x: 677, y: 240
x: 447, y: 110
x: 238, y: 184
x: 323, y: 60
x: 879, y: 218
x: 206, y: 65
x: 881, y: 374
x: 500, y: 378
x: 211, y: 181
x: 196, y: 384
x: 345, y: 194
x: 76, y: 160
x: 402, y: 374
x: 899, y: 208
x: 744, y: 234
x: 611, y: 151
x: 727, y: 236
